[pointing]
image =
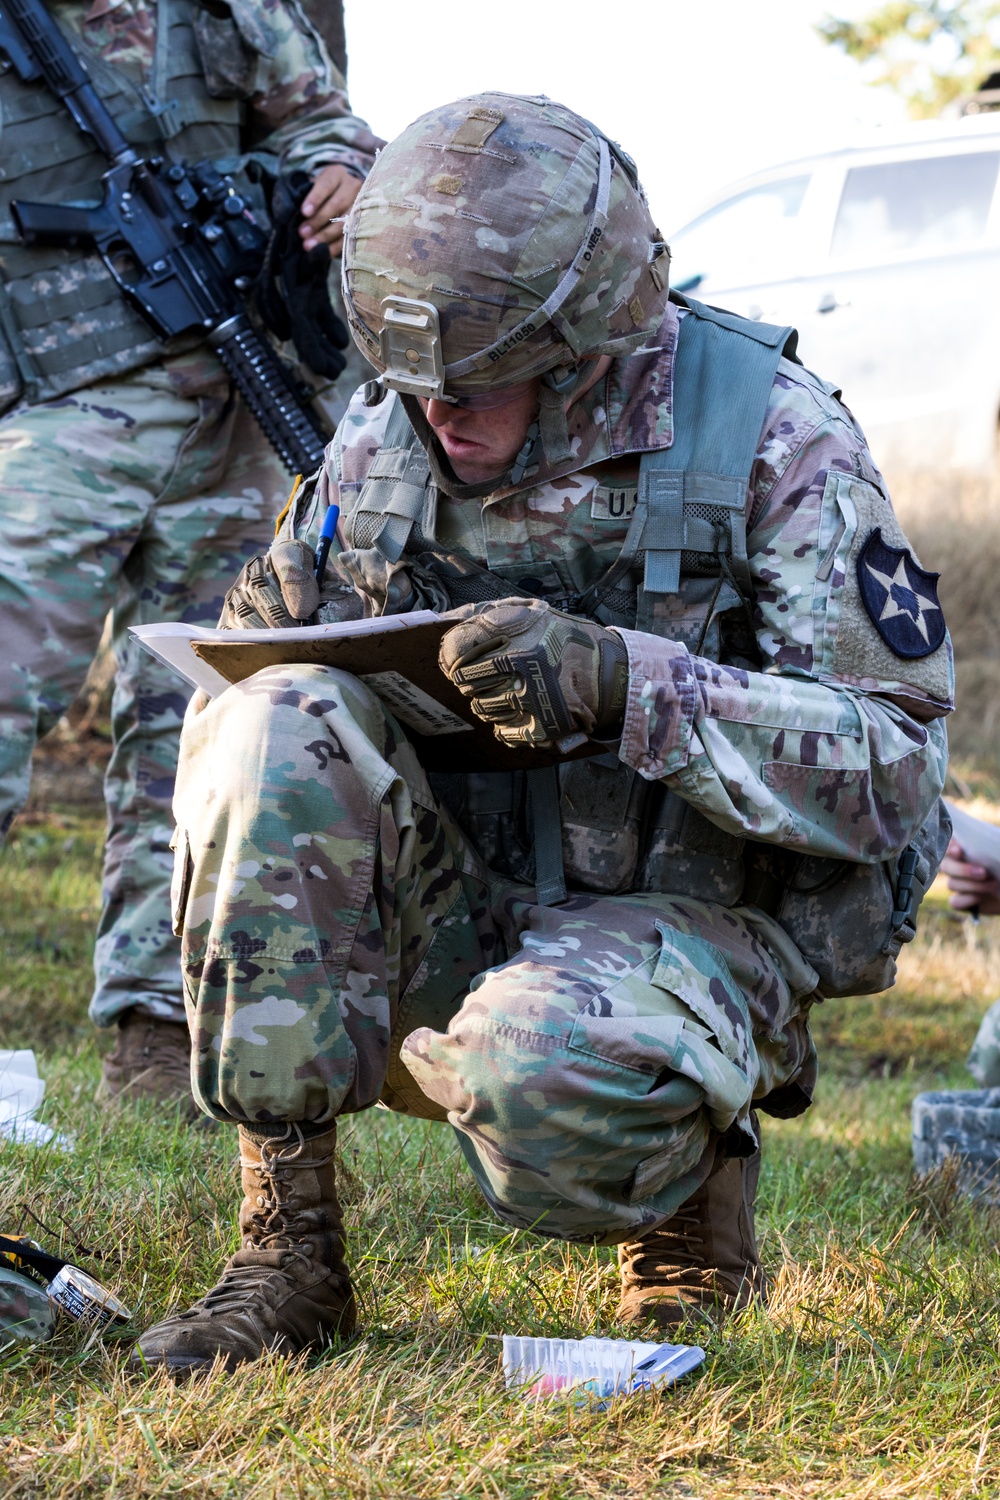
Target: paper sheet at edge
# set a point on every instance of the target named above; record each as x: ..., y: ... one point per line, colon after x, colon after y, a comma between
x: 979, y: 840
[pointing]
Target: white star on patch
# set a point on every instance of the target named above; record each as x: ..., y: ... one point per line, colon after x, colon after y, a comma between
x: 891, y: 609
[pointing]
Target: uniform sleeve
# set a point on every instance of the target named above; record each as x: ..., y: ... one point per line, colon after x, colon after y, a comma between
x: 836, y: 746
x: 300, y: 107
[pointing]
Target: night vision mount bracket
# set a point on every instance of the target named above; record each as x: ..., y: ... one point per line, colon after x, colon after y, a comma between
x: 410, y: 348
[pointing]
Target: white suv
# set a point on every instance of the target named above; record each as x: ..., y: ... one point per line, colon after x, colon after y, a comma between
x: 887, y: 260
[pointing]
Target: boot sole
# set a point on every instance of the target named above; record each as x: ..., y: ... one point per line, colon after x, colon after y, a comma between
x: 181, y: 1368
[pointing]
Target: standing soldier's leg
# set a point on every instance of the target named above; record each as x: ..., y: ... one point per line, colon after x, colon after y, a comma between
x: 215, y: 510
x: 78, y: 480
x: 68, y: 521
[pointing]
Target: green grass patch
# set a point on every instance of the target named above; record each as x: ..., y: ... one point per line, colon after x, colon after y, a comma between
x: 874, y: 1371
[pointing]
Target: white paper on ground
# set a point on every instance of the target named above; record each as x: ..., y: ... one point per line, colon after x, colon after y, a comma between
x: 21, y: 1094
x: 170, y: 641
x: 979, y: 840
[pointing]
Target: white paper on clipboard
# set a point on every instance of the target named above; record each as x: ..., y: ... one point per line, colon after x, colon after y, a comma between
x: 980, y: 841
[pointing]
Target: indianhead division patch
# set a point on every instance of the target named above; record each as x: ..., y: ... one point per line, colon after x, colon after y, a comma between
x: 901, y: 599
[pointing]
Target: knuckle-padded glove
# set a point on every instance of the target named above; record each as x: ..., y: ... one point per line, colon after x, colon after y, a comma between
x: 274, y: 591
x: 292, y: 291
x: 537, y: 675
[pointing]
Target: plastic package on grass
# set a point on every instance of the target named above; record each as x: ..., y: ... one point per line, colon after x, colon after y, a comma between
x: 21, y: 1093
x: 593, y: 1369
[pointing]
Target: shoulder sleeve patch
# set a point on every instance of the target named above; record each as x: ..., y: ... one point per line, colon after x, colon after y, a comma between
x: 873, y: 631
x: 900, y: 597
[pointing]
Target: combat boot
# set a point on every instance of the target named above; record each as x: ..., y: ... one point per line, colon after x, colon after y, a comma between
x: 151, y: 1059
x: 288, y: 1289
x: 702, y: 1262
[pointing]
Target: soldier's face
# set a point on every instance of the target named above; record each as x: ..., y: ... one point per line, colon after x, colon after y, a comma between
x: 483, y: 444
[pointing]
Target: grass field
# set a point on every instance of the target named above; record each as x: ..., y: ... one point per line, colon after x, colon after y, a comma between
x: 872, y: 1373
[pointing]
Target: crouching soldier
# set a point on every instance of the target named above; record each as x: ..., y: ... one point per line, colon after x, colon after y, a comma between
x: 670, y: 541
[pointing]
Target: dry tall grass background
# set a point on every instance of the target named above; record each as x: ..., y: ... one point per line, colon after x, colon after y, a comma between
x: 954, y: 525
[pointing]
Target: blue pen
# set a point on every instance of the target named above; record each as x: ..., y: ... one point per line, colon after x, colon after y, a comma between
x: 326, y: 537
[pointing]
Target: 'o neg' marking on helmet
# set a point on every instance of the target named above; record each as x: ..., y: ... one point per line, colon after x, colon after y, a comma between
x: 592, y: 244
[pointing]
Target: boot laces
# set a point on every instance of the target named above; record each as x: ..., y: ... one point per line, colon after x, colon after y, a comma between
x: 274, y: 1219
x: 239, y: 1286
x: 680, y: 1241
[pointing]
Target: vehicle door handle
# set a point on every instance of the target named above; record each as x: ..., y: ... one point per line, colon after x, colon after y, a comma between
x: 829, y: 302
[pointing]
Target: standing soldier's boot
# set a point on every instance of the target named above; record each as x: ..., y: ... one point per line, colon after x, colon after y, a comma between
x: 288, y: 1288
x: 702, y: 1262
x: 151, y: 1059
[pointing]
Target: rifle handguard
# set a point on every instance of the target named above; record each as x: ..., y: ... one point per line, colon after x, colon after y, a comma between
x: 293, y: 432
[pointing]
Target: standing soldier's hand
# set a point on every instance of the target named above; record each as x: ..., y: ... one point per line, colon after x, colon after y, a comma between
x: 329, y: 199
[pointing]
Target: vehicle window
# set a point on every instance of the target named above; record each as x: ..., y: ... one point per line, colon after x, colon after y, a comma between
x: 914, y: 205
x: 752, y: 237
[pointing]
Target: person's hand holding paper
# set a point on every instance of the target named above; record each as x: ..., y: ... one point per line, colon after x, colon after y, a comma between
x: 972, y: 864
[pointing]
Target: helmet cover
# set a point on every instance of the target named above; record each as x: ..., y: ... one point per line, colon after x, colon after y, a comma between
x: 496, y: 239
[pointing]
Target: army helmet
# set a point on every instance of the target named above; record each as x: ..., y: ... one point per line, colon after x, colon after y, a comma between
x: 496, y: 239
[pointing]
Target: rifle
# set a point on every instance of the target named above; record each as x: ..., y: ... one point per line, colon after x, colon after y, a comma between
x: 179, y: 240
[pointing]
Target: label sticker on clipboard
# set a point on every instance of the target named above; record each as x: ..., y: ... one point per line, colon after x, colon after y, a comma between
x: 412, y: 706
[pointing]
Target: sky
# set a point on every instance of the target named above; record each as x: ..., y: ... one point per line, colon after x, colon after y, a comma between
x: 700, y: 92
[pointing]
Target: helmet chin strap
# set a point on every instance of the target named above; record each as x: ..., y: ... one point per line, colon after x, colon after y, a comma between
x: 557, y: 386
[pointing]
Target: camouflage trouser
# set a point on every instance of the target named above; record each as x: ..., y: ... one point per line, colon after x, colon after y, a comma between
x: 343, y: 944
x: 124, y: 497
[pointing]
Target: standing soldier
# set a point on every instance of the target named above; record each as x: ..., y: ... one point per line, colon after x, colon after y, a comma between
x: 669, y: 539
x: 131, y: 478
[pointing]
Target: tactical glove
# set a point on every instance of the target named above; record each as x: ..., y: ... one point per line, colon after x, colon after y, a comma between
x: 292, y: 292
x: 273, y: 591
x: 538, y: 676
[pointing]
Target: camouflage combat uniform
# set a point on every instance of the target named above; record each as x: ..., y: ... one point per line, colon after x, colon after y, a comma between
x: 130, y: 478
x: 355, y: 930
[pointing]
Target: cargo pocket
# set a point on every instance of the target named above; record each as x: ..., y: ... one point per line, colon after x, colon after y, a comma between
x: 676, y: 1032
x: 180, y: 880
x: 666, y: 1166
x: 228, y: 53
x: 693, y: 971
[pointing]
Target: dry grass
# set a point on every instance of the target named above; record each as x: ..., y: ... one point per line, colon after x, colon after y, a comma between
x: 874, y: 1371
x: 954, y: 525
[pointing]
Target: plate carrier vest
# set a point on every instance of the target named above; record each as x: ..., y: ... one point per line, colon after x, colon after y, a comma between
x: 63, y: 321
